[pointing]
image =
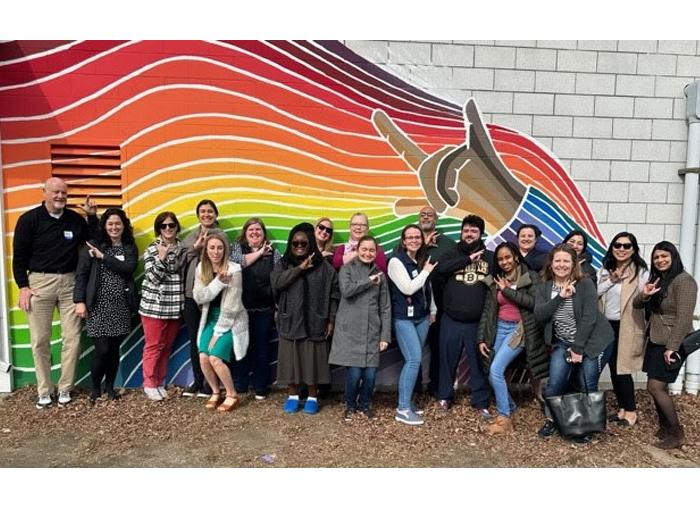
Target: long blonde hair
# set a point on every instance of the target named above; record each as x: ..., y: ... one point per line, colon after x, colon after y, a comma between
x: 207, y: 268
x: 329, y: 244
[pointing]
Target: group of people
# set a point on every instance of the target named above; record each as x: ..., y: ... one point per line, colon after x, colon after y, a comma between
x: 343, y: 305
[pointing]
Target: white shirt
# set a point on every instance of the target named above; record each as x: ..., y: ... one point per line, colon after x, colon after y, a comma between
x: 613, y: 292
x: 398, y: 274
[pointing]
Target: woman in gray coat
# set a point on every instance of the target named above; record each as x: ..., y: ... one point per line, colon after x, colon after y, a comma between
x: 363, y: 326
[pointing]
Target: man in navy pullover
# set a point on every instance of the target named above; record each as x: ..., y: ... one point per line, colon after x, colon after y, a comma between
x: 464, y: 267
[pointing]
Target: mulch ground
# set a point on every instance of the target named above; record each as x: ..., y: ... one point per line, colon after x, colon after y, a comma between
x: 179, y: 432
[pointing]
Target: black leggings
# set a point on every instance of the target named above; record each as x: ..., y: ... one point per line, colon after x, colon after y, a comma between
x: 192, y: 315
x: 105, y: 361
x: 623, y: 385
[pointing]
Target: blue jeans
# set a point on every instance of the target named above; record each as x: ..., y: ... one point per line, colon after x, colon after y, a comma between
x: 410, y: 335
x: 455, y: 335
x: 257, y: 359
x: 504, y: 355
x: 560, y: 371
x: 354, y: 376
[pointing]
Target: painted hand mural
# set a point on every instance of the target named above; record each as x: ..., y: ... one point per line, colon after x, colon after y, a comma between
x: 286, y: 130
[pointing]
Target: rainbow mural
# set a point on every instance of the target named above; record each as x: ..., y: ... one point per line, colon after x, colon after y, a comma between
x: 286, y: 130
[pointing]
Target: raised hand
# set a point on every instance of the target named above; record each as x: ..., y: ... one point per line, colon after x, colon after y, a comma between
x: 476, y: 255
x: 90, y: 206
x: 163, y: 249
x: 307, y: 263
x: 502, y: 283
x: 201, y: 239
x: 567, y: 290
x: 224, y: 277
x: 431, y: 239
x: 651, y: 288
x: 94, y: 251
x: 375, y: 278
x: 429, y: 266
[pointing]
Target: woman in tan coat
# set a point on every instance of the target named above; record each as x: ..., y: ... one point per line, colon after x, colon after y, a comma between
x: 621, y: 278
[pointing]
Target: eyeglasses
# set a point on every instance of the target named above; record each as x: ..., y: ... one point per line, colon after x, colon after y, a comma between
x: 413, y: 238
x: 622, y: 246
x: 324, y: 228
x: 426, y: 215
x: 300, y: 244
x: 163, y: 226
x: 363, y: 225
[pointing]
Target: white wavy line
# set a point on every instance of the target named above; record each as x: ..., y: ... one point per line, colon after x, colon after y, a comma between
x: 266, y: 143
x: 253, y: 120
x: 70, y: 69
x: 256, y: 163
x: 364, y: 72
x: 359, y: 93
x: 26, y: 163
x: 40, y: 54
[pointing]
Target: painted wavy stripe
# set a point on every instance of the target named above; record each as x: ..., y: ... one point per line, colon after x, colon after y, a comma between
x: 319, y: 70
x: 346, y: 54
x: 30, y: 51
x: 373, y: 83
x: 80, y: 62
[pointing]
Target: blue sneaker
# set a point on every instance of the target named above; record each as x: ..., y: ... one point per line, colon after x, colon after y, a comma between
x: 419, y: 412
x: 291, y: 405
x: 408, y: 417
x: 311, y: 406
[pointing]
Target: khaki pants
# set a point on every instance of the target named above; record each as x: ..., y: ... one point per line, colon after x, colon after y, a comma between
x: 53, y: 290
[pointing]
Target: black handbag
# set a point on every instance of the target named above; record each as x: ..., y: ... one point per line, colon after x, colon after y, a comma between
x: 578, y: 414
x: 691, y: 343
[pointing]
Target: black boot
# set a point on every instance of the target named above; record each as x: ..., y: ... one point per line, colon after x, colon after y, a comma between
x: 675, y: 437
x: 94, y: 395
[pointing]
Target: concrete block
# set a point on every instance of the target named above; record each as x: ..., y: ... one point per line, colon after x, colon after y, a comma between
x: 637, y: 46
x: 585, y: 188
x: 529, y: 44
x: 612, y: 149
x: 555, y: 82
x: 678, y: 152
x: 409, y: 53
x: 562, y: 45
x: 542, y: 104
x: 626, y: 213
x: 630, y: 171
x: 632, y: 129
x: 374, y: 51
x: 643, y: 150
x: 678, y: 47
x: 551, y: 125
x: 452, y: 55
x: 617, y: 63
x: 579, y: 61
x: 527, y: 58
x: 477, y: 42
x: 476, y: 79
x: 573, y: 148
x: 657, y: 64
x: 494, y: 102
x: 522, y: 123
x: 522, y: 81
x: 456, y: 96
x: 597, y: 45
x: 608, y: 192
x: 672, y: 233
x: 429, y: 76
x: 627, y: 85
x: 688, y: 66
x: 609, y: 230
x: 574, y: 105
x: 669, y: 130
x: 665, y: 172
x: 590, y: 170
x: 614, y: 106
x: 675, y: 194
x: 667, y: 86
x: 599, y: 210
x: 496, y: 57
x: 645, y: 233
x: 663, y: 213
x: 648, y: 192
x: 679, y: 109
x: 593, y: 127
x: 601, y: 84
x: 653, y: 107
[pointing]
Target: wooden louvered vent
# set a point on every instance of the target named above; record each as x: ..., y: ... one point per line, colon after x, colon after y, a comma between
x: 93, y: 170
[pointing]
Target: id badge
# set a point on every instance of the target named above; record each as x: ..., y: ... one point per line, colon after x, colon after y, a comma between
x: 68, y: 234
x: 409, y: 311
x: 119, y: 257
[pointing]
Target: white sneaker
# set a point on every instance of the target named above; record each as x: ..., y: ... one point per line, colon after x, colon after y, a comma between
x: 163, y: 392
x: 152, y: 394
x: 43, y: 402
x: 64, y: 398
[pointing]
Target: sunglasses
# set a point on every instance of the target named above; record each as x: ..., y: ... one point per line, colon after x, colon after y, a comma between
x: 163, y: 226
x: 622, y: 246
x: 300, y: 244
x: 324, y: 228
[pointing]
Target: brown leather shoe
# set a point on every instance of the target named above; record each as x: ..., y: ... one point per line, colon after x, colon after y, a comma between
x: 501, y: 425
x: 213, y: 401
x: 229, y: 404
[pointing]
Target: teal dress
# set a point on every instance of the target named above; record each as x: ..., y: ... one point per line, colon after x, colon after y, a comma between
x: 223, y: 348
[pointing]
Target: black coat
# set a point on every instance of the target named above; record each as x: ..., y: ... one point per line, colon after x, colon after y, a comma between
x: 524, y: 295
x: 87, y: 281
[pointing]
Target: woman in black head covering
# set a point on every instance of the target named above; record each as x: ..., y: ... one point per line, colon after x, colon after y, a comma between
x: 306, y: 289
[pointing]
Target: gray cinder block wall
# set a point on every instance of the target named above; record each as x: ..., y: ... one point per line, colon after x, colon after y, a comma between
x: 613, y: 112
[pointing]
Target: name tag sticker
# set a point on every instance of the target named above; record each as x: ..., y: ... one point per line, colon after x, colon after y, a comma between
x: 119, y: 257
x: 414, y: 273
x: 409, y: 311
x: 68, y: 234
